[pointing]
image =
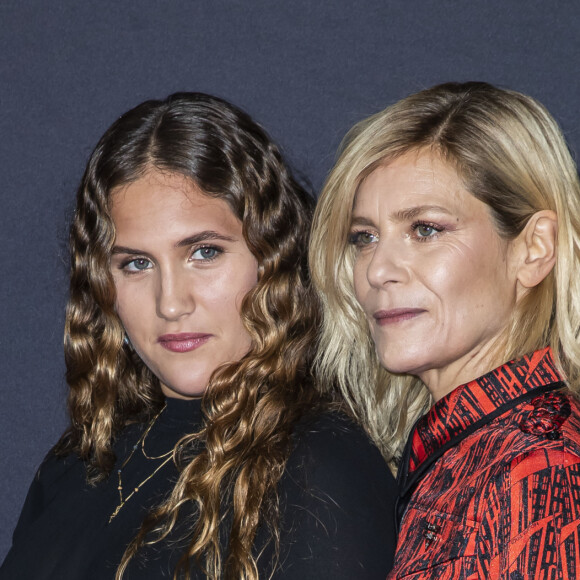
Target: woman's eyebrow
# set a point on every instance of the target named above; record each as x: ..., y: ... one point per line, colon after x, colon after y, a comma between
x: 203, y: 237
x: 361, y: 221
x: 125, y: 250
x: 412, y: 212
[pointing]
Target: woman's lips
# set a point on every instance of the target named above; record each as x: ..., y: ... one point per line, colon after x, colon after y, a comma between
x: 385, y: 317
x: 183, y: 342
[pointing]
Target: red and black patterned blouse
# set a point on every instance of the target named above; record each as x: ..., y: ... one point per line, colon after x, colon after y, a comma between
x: 492, y: 474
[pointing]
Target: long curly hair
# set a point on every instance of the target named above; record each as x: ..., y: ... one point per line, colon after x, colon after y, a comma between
x: 250, y: 406
x: 512, y: 156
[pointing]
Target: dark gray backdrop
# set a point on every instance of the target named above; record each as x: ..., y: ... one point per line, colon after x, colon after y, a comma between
x: 306, y: 69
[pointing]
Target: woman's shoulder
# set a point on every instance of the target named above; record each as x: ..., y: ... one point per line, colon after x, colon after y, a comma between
x: 333, y: 451
x: 550, y: 424
x: 542, y: 436
x: 59, y: 470
x: 317, y: 431
x: 337, y: 499
x: 54, y: 468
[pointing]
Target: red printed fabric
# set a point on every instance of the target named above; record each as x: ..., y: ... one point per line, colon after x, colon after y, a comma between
x: 505, y: 501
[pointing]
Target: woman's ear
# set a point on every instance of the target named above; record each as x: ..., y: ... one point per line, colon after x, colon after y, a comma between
x: 538, y: 244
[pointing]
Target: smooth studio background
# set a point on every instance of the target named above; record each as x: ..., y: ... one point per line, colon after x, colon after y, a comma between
x: 305, y: 69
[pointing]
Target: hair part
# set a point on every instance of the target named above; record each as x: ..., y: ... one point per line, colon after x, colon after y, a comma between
x: 251, y: 405
x: 511, y: 155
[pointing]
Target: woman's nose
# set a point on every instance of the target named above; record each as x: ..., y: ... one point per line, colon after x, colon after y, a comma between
x: 386, y: 265
x: 175, y: 296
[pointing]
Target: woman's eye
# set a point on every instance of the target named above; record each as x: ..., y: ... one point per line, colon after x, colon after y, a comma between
x: 137, y: 265
x: 423, y: 231
x: 206, y: 253
x: 361, y: 239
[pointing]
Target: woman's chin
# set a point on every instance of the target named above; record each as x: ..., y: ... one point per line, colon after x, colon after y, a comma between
x: 399, y: 366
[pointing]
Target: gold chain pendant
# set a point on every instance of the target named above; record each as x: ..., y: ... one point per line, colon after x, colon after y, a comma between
x: 168, y: 457
x: 124, y: 501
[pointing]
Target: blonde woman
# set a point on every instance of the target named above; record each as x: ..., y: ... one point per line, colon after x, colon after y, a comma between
x: 199, y: 445
x: 446, y: 250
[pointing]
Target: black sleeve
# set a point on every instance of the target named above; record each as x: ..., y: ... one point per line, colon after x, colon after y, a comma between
x: 336, y: 501
x: 31, y: 508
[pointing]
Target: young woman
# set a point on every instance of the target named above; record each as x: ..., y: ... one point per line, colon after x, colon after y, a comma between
x: 199, y: 445
x: 446, y: 246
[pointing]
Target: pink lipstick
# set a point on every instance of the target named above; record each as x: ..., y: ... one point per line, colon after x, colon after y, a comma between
x: 384, y: 317
x: 183, y: 342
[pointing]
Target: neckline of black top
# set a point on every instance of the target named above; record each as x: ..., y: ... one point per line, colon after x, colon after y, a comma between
x: 180, y: 411
x: 180, y: 417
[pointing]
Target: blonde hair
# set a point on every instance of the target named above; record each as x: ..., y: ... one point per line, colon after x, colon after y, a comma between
x: 511, y: 155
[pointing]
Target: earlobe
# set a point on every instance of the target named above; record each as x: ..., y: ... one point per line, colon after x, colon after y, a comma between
x: 539, y: 239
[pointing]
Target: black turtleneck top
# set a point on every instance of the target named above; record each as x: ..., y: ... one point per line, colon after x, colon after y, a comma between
x: 336, y: 508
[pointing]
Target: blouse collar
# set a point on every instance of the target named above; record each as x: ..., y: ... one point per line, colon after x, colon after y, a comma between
x: 472, y: 401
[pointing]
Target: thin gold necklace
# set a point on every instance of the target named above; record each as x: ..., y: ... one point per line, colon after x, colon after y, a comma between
x: 145, y: 437
x: 168, y: 455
